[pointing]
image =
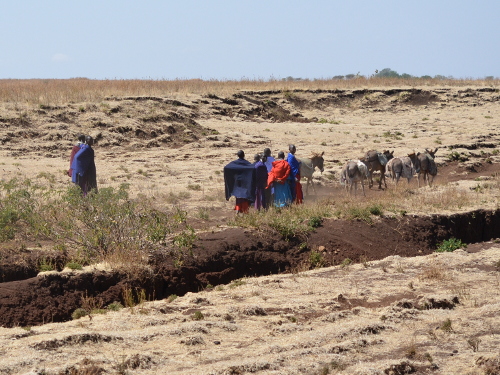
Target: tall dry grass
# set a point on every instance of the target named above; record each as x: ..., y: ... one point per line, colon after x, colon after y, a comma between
x: 77, y: 90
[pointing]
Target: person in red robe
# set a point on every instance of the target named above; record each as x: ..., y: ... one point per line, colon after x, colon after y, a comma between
x: 277, y: 178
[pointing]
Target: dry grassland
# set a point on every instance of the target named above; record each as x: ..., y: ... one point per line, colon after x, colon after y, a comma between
x: 434, y: 314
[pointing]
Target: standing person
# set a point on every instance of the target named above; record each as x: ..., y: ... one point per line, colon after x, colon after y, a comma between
x: 239, y: 181
x: 269, y: 193
x: 74, y: 150
x: 294, y: 171
x: 84, y: 171
x: 260, y: 182
x: 278, y: 178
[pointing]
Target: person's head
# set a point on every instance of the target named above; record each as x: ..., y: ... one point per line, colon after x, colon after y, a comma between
x: 263, y: 158
x: 241, y: 154
x: 267, y: 152
x: 281, y: 155
x: 256, y: 157
x: 81, y: 138
x: 292, y: 149
x: 89, y: 140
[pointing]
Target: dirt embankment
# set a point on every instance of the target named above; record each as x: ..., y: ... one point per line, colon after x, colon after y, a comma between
x: 149, y: 122
x: 224, y: 256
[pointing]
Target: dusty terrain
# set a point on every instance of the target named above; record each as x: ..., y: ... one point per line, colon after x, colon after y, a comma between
x: 401, y: 309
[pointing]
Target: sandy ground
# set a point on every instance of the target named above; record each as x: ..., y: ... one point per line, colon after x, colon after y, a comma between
x: 370, y: 121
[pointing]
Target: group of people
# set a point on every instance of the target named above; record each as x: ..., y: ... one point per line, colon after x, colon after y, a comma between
x: 266, y: 182
x: 82, y: 165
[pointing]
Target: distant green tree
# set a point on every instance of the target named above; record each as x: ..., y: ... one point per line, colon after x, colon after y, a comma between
x: 426, y: 77
x: 338, y: 77
x: 387, y: 73
x: 350, y: 76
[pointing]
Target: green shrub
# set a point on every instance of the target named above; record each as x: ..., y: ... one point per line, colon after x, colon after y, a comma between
x: 46, y: 265
x: 79, y: 313
x: 346, y: 262
x: 74, y: 266
x: 114, y: 306
x: 451, y: 244
x: 198, y: 315
x: 316, y: 259
x: 376, y: 210
x: 171, y: 298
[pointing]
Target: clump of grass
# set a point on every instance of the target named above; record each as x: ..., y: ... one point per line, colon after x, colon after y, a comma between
x: 46, y: 265
x: 346, y: 262
x: 237, y: 283
x: 194, y: 187
x: 446, y: 326
x: 79, y: 313
x: 198, y: 315
x: 114, y: 306
x: 316, y: 259
x: 376, y: 209
x: 434, y: 271
x: 171, y: 298
x: 450, y: 245
x: 74, y: 265
x: 295, y: 221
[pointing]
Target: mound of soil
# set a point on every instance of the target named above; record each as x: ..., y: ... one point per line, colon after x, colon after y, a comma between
x: 224, y: 256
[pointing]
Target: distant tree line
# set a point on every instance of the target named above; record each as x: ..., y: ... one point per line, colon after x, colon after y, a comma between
x: 384, y: 73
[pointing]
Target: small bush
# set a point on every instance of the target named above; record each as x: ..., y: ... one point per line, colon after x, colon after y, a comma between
x: 315, y: 221
x: 171, y: 298
x: 198, y: 315
x: 316, y: 259
x: 46, y: 265
x: 114, y: 306
x: 376, y: 210
x: 79, y: 313
x: 236, y: 283
x: 450, y: 245
x: 446, y: 326
x: 345, y: 263
x: 74, y: 266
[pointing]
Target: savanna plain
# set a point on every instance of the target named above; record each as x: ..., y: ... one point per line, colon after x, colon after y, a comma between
x: 156, y: 274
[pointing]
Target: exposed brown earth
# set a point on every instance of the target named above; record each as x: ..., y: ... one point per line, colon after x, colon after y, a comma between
x: 296, y: 321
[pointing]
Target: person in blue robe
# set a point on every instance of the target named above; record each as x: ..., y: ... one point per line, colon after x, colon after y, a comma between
x: 294, y: 170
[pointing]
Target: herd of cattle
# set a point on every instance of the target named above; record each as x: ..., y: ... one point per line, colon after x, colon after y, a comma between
x: 357, y: 171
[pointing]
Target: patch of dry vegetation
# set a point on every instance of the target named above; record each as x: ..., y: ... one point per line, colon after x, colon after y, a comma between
x: 326, y: 321
x: 81, y: 90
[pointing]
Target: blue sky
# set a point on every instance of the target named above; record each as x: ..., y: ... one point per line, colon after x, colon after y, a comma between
x: 255, y: 39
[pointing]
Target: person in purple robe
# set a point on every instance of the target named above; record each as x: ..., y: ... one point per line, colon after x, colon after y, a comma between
x: 83, y: 166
